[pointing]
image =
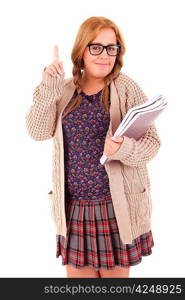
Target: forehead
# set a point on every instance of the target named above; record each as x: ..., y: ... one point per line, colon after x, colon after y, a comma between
x: 105, y: 36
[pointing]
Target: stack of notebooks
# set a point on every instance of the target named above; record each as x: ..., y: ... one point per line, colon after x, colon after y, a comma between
x: 138, y: 119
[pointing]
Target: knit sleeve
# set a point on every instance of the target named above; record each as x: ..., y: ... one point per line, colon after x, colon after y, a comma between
x: 136, y: 152
x: 41, y: 116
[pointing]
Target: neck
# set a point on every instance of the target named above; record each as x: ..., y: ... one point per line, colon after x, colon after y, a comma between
x: 90, y: 83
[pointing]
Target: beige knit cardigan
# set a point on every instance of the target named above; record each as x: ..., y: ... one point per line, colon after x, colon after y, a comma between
x: 127, y: 170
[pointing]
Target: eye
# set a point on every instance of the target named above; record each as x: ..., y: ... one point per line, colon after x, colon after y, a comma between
x: 96, y: 47
x: 112, y: 48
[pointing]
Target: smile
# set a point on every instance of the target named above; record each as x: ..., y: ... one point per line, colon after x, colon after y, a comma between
x: 102, y: 64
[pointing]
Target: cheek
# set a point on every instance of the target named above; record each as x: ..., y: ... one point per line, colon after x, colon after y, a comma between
x: 113, y: 62
x: 87, y: 57
x: 88, y: 60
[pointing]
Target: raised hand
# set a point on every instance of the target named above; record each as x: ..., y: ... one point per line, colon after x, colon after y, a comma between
x: 55, y: 69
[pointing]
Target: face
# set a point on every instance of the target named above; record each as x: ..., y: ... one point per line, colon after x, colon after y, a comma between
x: 101, y: 65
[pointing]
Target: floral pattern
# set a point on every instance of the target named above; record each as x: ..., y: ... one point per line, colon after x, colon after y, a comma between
x: 84, y: 132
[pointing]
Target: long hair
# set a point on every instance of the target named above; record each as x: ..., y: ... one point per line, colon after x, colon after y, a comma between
x: 87, y: 33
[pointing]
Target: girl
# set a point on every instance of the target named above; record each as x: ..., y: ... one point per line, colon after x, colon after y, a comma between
x: 102, y: 238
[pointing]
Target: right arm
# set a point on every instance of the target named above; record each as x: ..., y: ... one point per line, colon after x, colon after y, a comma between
x: 41, y: 117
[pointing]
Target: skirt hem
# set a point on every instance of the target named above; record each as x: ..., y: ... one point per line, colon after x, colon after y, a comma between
x: 108, y: 267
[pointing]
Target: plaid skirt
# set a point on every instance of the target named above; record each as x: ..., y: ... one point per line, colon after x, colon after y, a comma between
x: 93, y: 239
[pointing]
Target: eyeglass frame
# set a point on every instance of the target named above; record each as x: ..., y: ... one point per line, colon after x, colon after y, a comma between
x: 104, y: 47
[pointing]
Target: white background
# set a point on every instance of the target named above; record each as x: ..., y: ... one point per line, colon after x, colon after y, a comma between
x: 154, y: 36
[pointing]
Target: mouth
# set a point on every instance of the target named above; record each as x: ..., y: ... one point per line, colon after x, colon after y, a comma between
x: 104, y: 65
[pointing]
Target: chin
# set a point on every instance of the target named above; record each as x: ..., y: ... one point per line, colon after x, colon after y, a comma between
x: 101, y: 73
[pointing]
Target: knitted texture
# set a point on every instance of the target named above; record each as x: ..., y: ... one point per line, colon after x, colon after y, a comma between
x: 41, y: 120
x: 132, y: 152
x: 41, y: 117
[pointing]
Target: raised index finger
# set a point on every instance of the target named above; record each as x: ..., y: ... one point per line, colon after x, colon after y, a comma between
x: 55, y: 53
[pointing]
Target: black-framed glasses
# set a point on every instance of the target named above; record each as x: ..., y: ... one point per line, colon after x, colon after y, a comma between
x: 97, y: 49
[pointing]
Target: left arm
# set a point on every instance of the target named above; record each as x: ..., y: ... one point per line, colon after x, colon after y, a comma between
x: 132, y: 152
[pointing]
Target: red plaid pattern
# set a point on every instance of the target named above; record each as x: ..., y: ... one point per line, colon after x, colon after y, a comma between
x: 93, y: 237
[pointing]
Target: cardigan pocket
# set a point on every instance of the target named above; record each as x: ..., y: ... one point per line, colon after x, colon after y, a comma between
x: 140, y: 207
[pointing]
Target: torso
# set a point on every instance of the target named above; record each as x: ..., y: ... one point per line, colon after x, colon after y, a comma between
x: 84, y: 131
